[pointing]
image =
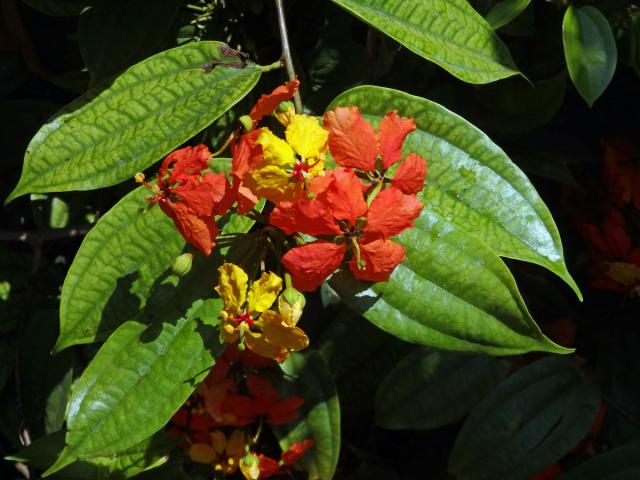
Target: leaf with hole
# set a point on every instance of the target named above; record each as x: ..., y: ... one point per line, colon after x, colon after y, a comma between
x: 118, y: 129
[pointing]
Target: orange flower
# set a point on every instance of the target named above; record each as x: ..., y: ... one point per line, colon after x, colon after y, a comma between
x: 270, y: 467
x: 341, y: 210
x: 189, y: 197
x: 354, y: 143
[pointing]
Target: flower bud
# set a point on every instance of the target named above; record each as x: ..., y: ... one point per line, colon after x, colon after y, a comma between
x: 246, y: 122
x: 290, y: 304
x: 285, y: 106
x: 250, y: 466
x: 182, y: 264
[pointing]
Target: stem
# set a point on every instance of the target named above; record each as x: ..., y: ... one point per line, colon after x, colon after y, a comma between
x: 272, y: 66
x: 286, y: 52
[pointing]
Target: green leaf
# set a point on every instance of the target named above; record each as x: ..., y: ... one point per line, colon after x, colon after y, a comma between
x: 115, y: 269
x: 590, y: 51
x: 59, y: 215
x: 505, y: 11
x: 114, y: 34
x: 319, y: 416
x: 471, y: 181
x: 450, y: 292
x: 429, y: 389
x: 114, y: 131
x: 617, y: 464
x: 128, y: 463
x: 137, y: 381
x: 449, y: 33
x: 529, y: 422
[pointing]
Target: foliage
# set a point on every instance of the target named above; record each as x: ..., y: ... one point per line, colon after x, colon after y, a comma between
x: 365, y: 279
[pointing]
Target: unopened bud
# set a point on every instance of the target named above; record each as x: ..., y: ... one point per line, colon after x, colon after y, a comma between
x: 285, y: 106
x: 247, y: 122
x: 182, y: 264
x: 139, y: 177
x: 250, y: 466
x: 291, y: 304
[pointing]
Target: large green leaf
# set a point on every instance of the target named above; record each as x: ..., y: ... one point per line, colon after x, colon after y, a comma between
x: 471, y: 181
x: 428, y: 389
x: 114, y: 34
x: 319, y: 416
x: 145, y: 455
x: 450, y: 292
x: 115, y: 269
x: 505, y: 11
x: 114, y: 131
x: 449, y: 33
x: 137, y: 381
x: 590, y: 51
x: 529, y: 422
x: 618, y: 464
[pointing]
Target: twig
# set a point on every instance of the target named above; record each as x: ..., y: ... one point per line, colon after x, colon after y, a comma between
x: 42, y: 236
x: 286, y: 52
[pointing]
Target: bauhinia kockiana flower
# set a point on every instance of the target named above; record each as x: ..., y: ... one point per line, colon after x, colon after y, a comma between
x: 343, y: 220
x: 354, y: 143
x: 190, y: 197
x: 274, y: 168
x: 247, y: 317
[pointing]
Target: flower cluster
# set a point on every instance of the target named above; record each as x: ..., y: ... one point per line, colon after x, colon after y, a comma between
x: 222, y: 422
x: 317, y: 219
x: 615, y: 259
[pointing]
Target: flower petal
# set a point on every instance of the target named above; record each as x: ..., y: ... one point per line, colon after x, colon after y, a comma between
x: 391, y: 212
x: 345, y: 196
x: 235, y: 444
x: 258, y: 344
x: 264, y: 292
x: 199, y: 231
x: 296, y: 451
x: 277, y: 333
x: 380, y: 258
x: 391, y: 134
x: 310, y: 264
x: 306, y: 136
x: 284, y: 411
x: 275, y: 151
x: 232, y: 287
x: 246, y: 154
x: 206, y: 196
x: 275, y: 184
x: 312, y: 217
x: 202, y: 453
x: 268, y: 103
x: 352, y: 140
x: 409, y: 177
x: 187, y: 162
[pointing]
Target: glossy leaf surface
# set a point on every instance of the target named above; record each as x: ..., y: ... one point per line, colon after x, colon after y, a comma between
x: 505, y: 11
x: 137, y: 381
x: 116, y: 130
x: 449, y: 33
x: 471, y: 181
x: 319, y: 416
x: 590, y: 51
x: 529, y: 422
x: 429, y: 389
x: 115, y: 269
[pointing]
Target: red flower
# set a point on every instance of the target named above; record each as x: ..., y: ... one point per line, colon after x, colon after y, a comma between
x: 189, y: 197
x: 341, y: 210
x: 266, y: 104
x: 270, y: 467
x: 620, y: 172
x: 354, y: 143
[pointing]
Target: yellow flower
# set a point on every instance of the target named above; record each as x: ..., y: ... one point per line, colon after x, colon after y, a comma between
x: 246, y: 317
x: 287, y: 165
x: 222, y: 453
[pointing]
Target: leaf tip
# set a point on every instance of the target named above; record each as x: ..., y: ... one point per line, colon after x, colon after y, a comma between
x: 65, y: 459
